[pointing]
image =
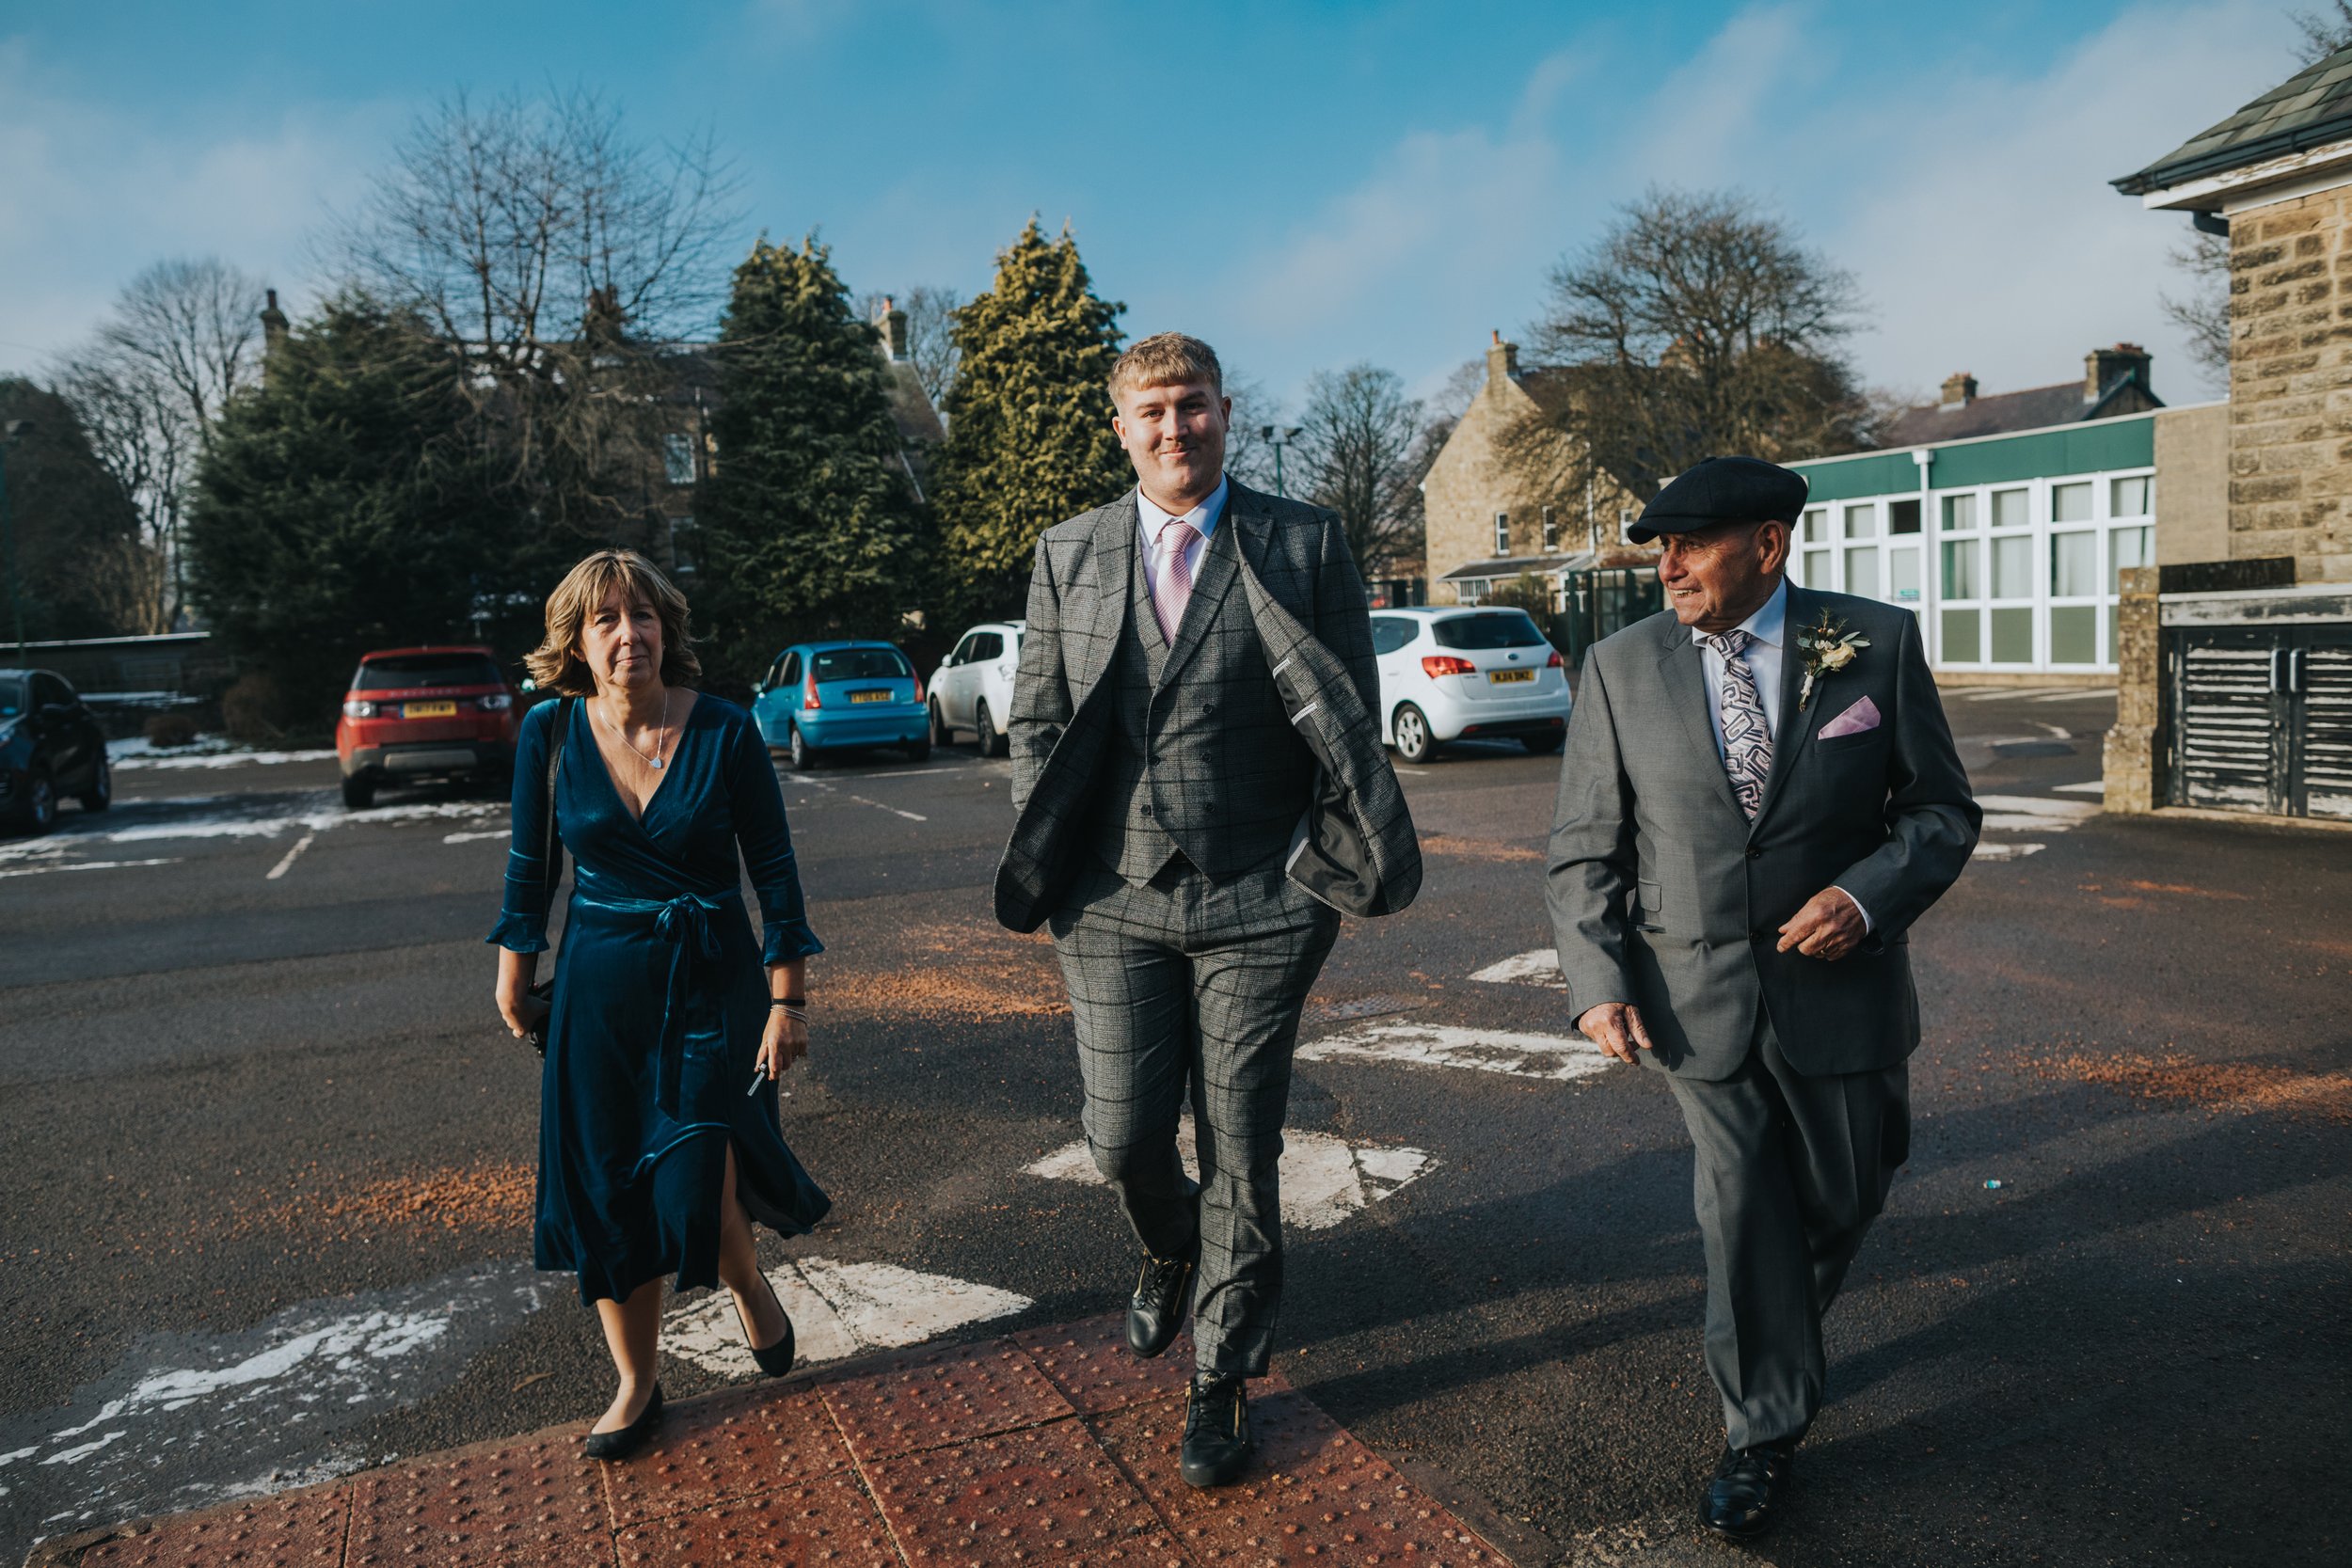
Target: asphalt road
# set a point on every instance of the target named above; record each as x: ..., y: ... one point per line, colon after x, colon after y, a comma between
x: 268, y: 1157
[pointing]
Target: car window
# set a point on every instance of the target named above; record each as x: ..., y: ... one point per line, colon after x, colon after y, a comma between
x: 11, y: 698
x: 963, y: 649
x: 1494, y: 628
x: 792, y: 676
x: 774, y: 676
x: 1391, y: 632
x: 860, y: 664
x: 48, y: 690
x: 987, y: 645
x: 402, y: 671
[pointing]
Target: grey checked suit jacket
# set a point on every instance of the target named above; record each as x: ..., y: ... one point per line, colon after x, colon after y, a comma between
x: 1307, y: 624
x: 1663, y: 894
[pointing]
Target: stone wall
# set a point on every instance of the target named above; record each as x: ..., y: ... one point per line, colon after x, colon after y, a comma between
x: 2128, y: 764
x: 2192, y: 483
x: 2291, y: 383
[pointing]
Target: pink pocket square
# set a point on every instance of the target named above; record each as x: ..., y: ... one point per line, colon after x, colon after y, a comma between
x: 1858, y: 720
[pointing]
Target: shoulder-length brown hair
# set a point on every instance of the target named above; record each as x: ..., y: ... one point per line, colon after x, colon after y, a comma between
x: 556, y: 664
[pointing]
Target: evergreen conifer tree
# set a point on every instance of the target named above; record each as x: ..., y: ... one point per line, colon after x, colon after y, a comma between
x: 1029, y: 439
x: 811, y: 523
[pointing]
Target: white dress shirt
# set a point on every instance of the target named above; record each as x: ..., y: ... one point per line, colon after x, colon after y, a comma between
x: 1150, y: 519
x: 1768, y: 637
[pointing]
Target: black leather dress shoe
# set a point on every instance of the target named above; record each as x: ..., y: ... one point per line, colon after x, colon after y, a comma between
x: 1217, y: 1430
x: 1156, y: 1310
x: 776, y: 1359
x: 623, y: 1441
x: 1750, y: 1488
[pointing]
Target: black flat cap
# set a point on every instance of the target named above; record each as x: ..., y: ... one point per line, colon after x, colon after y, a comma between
x: 1722, y: 490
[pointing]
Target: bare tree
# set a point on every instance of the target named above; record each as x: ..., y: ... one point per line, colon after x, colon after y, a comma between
x: 1362, y: 453
x: 2325, y: 31
x: 2202, y: 311
x: 1697, y: 323
x: 930, y: 335
x: 184, y: 337
x: 562, y: 258
x: 1248, y: 451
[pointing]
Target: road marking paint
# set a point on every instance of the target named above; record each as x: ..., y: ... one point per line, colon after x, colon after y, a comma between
x: 837, y: 1310
x: 2058, y: 732
x: 1539, y: 968
x: 1411, y: 772
x: 913, y: 773
x: 1324, y: 1179
x: 2092, y: 786
x: 1555, y: 1059
x: 87, y: 865
x: 468, y: 838
x: 287, y: 865
x: 892, y: 810
x: 132, y: 763
x: 2004, y: 851
x: 2039, y: 813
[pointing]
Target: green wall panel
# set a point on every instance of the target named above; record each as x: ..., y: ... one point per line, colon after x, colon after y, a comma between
x: 2125, y: 443
x: 1881, y: 473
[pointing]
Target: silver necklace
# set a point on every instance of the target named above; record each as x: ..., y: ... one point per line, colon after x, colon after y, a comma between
x: 622, y: 735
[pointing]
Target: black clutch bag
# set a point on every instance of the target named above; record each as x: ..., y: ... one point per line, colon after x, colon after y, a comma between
x: 551, y: 857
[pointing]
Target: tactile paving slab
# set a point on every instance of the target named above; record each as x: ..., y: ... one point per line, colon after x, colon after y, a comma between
x: 1089, y: 1362
x: 305, y: 1531
x: 1311, y: 1495
x: 1044, y: 1494
x: 928, y: 1399
x: 539, y: 1503
x: 731, y: 1444
x: 830, y: 1522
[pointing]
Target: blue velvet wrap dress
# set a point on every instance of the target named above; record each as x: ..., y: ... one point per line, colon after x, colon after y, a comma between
x: 659, y: 999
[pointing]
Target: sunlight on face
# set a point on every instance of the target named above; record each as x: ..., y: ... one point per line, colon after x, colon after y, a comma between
x: 1175, y: 436
x: 1716, y: 577
x: 621, y: 641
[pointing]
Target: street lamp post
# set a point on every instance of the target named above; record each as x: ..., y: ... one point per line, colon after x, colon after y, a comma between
x: 8, y: 435
x: 1277, y: 438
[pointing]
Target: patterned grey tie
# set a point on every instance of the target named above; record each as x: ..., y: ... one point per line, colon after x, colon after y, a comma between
x: 1747, y: 740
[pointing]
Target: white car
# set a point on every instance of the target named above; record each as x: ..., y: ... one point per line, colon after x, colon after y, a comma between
x: 972, y: 689
x: 1463, y: 671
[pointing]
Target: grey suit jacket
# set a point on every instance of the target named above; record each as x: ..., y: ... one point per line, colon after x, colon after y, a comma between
x: 1663, y: 894
x: 1307, y: 625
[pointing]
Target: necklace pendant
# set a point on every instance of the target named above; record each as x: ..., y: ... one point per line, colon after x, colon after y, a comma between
x: 656, y: 762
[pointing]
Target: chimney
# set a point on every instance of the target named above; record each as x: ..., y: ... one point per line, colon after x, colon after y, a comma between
x: 273, y: 332
x: 2103, y: 367
x: 1503, y: 361
x: 892, y: 322
x: 1959, y: 391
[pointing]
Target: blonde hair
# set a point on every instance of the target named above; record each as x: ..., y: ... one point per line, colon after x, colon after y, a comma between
x: 1167, y: 359
x: 556, y: 664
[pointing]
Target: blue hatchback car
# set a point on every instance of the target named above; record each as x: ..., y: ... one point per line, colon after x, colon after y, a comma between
x: 822, y: 697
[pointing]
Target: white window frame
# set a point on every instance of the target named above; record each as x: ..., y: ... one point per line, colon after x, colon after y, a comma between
x: 1503, y: 534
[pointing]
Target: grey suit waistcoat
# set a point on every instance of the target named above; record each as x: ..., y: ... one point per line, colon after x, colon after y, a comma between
x: 1206, y: 765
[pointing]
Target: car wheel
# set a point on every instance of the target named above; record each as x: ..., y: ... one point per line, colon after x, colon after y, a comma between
x: 359, y: 792
x: 40, y: 812
x: 991, y: 744
x: 803, y: 756
x: 1544, y: 745
x: 1414, y: 742
x: 101, y: 793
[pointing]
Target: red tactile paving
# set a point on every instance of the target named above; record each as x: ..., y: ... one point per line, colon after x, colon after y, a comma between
x: 305, y: 1531
x: 1089, y: 1362
x: 1312, y: 1494
x: 930, y: 1399
x: 1044, y: 1494
x: 732, y: 1445
x: 539, y: 1503
x: 830, y: 1521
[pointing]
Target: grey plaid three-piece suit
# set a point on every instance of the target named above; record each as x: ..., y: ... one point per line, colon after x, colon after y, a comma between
x: 1192, y: 813
x: 1790, y: 1070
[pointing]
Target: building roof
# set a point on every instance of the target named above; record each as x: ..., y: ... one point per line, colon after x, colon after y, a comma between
x: 2309, y: 108
x: 2035, y: 408
x: 1510, y: 566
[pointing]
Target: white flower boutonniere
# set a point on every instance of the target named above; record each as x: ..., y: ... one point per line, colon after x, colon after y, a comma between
x: 1829, y: 645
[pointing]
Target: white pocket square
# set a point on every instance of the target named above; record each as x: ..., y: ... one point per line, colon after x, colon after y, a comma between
x: 1858, y: 720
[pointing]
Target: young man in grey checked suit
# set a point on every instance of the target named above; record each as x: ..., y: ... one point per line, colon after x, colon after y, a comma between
x: 1199, y: 790
x: 1758, y: 798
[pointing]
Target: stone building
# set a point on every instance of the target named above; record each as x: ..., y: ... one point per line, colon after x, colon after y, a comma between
x: 2236, y: 681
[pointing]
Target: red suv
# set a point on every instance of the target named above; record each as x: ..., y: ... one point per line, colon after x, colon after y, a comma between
x: 425, y: 713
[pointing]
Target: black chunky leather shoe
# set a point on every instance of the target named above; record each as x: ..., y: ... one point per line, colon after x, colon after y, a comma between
x: 1217, y: 1430
x: 621, y: 1443
x: 776, y: 1359
x: 1156, y: 1310
x: 1750, y: 1488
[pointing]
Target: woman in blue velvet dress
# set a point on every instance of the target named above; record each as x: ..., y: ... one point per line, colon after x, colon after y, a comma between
x: 658, y: 1142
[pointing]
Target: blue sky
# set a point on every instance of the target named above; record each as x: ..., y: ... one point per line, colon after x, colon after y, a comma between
x: 1306, y: 185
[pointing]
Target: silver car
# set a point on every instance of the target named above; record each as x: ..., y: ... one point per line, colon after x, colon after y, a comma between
x: 1460, y: 673
x: 972, y: 689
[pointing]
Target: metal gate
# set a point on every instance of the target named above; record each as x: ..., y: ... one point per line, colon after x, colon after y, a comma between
x: 1602, y: 600
x: 2261, y: 718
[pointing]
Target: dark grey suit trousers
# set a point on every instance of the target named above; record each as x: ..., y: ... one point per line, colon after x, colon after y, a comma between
x: 1790, y: 1172
x: 1184, y: 988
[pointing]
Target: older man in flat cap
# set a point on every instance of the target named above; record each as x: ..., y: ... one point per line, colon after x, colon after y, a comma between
x: 1759, y: 797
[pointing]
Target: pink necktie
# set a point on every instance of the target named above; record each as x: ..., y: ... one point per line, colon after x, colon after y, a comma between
x: 1172, y: 589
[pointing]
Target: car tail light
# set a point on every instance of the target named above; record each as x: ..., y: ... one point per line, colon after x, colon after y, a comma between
x: 808, y: 688
x: 358, y: 708
x: 1555, y: 662
x: 1434, y: 665
x: 497, y: 701
x: 918, y: 688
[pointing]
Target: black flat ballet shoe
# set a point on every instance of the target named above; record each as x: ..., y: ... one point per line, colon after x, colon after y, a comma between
x: 1749, y: 1491
x: 623, y: 1441
x: 776, y: 1359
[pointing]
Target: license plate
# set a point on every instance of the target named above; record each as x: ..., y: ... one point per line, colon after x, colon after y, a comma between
x: 428, y: 710
x: 1505, y: 677
x: 869, y: 696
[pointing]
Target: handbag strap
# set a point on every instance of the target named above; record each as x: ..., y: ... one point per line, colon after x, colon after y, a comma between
x: 551, y: 849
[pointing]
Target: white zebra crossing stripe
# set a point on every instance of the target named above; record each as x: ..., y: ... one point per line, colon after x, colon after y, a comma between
x: 2039, y: 813
x: 1556, y: 1058
x: 837, y: 1310
x: 1989, y: 849
x: 1539, y: 968
x: 1324, y: 1179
